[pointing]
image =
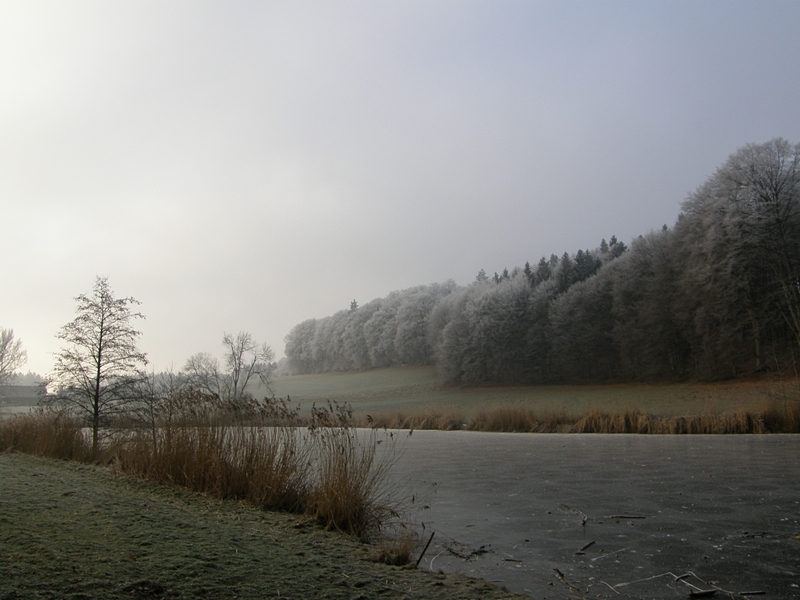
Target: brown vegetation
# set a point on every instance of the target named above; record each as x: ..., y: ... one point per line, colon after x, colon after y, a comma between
x: 443, y: 418
x: 255, y: 452
x: 779, y: 415
x: 44, y: 433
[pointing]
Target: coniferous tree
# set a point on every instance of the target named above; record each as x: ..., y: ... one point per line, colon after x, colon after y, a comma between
x: 528, y: 271
x: 616, y: 248
x: 543, y: 270
x: 565, y: 275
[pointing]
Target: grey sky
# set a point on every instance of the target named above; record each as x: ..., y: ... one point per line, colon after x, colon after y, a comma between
x: 249, y: 165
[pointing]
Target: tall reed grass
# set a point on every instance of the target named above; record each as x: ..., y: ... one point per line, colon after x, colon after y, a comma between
x: 44, y: 432
x: 347, y: 476
x: 443, y: 418
x: 258, y: 452
x: 777, y: 416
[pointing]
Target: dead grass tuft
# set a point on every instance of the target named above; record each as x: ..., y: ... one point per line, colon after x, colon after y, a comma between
x: 257, y: 453
x: 775, y: 420
x: 435, y: 417
x: 397, y: 549
x: 779, y: 415
x: 45, y: 432
x: 516, y: 417
x: 783, y: 416
x: 505, y: 417
x: 348, y: 478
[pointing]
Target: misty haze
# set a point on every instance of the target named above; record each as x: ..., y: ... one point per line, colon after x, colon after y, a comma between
x: 400, y: 300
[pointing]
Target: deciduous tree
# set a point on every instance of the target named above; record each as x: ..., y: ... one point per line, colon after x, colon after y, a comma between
x: 96, y: 371
x: 12, y: 355
x: 245, y: 360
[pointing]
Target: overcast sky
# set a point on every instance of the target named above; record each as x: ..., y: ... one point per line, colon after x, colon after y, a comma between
x: 249, y: 165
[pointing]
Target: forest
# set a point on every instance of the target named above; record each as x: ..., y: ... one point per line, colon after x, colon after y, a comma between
x: 715, y: 296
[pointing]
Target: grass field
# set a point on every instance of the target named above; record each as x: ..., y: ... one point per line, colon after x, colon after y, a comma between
x: 416, y: 397
x: 418, y: 388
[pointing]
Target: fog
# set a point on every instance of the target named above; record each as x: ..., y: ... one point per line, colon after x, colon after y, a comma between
x: 248, y: 165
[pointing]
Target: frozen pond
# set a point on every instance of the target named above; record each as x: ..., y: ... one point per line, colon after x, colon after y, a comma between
x: 610, y: 516
x: 7, y: 411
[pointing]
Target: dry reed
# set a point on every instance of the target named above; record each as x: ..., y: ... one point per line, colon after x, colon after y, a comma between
x: 397, y: 548
x: 778, y: 416
x: 519, y: 418
x: 348, y: 477
x: 327, y: 471
x: 44, y: 432
x: 441, y: 418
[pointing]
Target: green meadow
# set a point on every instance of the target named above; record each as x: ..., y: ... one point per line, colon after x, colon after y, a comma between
x: 419, y: 389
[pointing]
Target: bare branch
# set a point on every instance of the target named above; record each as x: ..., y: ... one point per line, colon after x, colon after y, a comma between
x: 96, y: 373
x: 12, y: 355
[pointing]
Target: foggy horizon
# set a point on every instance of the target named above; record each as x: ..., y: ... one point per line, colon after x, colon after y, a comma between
x: 248, y: 166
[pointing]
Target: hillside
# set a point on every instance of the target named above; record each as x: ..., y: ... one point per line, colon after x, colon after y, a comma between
x: 713, y: 297
x: 416, y: 389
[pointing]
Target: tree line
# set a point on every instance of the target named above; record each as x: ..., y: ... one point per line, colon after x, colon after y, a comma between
x: 715, y: 296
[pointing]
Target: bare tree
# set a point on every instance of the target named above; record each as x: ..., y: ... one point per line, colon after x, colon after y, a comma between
x: 12, y: 355
x: 203, y: 373
x: 245, y: 361
x: 95, y: 373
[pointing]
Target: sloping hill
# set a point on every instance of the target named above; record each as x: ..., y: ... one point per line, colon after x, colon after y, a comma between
x: 414, y: 389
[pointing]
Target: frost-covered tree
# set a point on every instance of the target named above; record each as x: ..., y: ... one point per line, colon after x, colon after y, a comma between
x: 12, y: 355
x: 412, y: 342
x: 299, y: 347
x: 485, y: 339
x: 244, y: 361
x: 581, y: 327
x: 648, y: 332
x: 716, y: 295
x: 740, y: 235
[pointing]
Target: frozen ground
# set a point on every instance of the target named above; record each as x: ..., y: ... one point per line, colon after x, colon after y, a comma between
x: 605, y: 516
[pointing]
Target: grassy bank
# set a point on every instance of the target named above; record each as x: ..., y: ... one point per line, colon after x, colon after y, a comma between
x: 414, y: 398
x: 253, y: 452
x: 71, y: 531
